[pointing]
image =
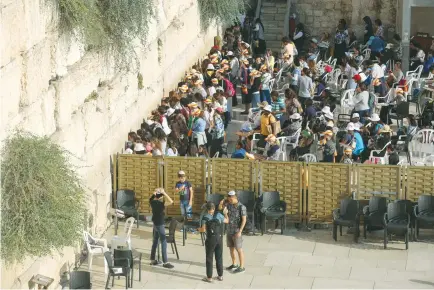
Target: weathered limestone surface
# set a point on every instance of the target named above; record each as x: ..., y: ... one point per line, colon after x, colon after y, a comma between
x: 45, y: 82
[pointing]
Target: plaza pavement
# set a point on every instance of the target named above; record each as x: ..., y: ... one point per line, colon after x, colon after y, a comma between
x: 295, y: 260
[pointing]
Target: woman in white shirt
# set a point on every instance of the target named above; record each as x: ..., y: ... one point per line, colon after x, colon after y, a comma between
x: 351, y: 70
x: 419, y: 59
x: 288, y: 49
x: 361, y: 102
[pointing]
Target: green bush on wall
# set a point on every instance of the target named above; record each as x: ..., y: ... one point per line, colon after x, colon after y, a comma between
x: 221, y: 11
x: 42, y: 200
x: 109, y: 26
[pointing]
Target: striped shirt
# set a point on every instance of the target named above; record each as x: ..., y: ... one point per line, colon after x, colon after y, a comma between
x: 278, y: 106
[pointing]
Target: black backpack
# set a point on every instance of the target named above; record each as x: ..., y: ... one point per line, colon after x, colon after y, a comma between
x: 213, y: 228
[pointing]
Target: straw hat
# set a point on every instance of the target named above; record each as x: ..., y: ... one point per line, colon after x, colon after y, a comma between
x: 246, y: 61
x: 328, y: 133
x: 224, y: 62
x: 192, y: 105
x: 207, y: 101
x: 254, y: 73
x: 271, y: 138
x: 263, y: 67
x: 215, y: 55
x: 385, y: 129
x: 214, y: 60
x: 183, y: 88
x: 196, y: 112
x: 376, y: 82
x: 263, y: 104
x: 348, y: 150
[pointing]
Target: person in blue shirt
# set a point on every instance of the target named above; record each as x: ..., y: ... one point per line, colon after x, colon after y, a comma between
x: 240, y: 152
x: 211, y: 224
x: 185, y: 191
x: 376, y: 44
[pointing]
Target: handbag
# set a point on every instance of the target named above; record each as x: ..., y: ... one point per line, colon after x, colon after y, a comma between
x: 244, y: 90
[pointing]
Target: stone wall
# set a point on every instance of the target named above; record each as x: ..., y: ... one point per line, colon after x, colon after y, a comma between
x: 46, y: 81
x: 323, y: 15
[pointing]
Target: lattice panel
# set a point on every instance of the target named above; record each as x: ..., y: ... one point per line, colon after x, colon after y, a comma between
x: 286, y: 178
x: 328, y: 184
x: 420, y: 181
x: 141, y: 174
x: 194, y: 169
x: 234, y: 174
x: 378, y: 180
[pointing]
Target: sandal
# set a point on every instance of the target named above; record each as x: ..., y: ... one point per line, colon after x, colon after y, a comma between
x: 206, y: 280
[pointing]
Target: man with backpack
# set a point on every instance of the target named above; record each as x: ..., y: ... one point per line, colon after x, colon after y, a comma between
x: 212, y: 224
x: 237, y: 214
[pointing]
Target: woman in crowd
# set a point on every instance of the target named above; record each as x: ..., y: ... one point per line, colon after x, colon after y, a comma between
x: 299, y: 36
x: 265, y: 84
x: 292, y: 104
x: 259, y: 37
x: 305, y: 87
x: 255, y: 84
x: 361, y: 102
x: 369, y: 29
x: 379, y: 31
x: 244, y: 76
x: 217, y: 132
x: 341, y: 37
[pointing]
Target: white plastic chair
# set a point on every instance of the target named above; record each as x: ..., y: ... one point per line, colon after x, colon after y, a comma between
x: 255, y: 140
x: 94, y: 249
x: 309, y: 158
x: 118, y: 241
x: 347, y: 102
x: 415, y: 73
x: 385, y: 100
x: 271, y: 84
x: 282, y: 143
x: 333, y: 63
x: 334, y: 78
x: 293, y: 139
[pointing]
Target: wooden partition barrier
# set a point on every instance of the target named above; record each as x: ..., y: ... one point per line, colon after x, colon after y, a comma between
x: 194, y: 169
x: 311, y: 191
x: 378, y: 180
x: 328, y: 184
x: 141, y: 174
x: 286, y: 178
x: 419, y: 181
x: 232, y: 174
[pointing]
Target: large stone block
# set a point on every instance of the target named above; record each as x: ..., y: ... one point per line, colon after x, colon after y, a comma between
x: 69, y: 50
x: 10, y: 90
x: 72, y: 137
x: 38, y: 117
x: 37, y: 72
x: 12, y: 30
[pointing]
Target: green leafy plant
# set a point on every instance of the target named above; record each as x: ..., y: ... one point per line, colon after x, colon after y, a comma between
x: 112, y: 27
x: 92, y: 96
x: 140, y: 81
x: 221, y: 11
x: 42, y: 201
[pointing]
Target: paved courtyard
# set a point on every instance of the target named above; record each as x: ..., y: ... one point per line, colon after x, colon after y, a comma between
x: 304, y: 260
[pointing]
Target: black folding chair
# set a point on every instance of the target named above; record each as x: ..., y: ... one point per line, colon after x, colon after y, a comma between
x: 121, y: 268
x: 247, y: 198
x: 347, y: 215
x: 170, y: 238
x: 274, y: 208
x: 126, y: 202
x: 79, y: 280
x: 424, y: 214
x: 373, y: 214
x: 396, y: 221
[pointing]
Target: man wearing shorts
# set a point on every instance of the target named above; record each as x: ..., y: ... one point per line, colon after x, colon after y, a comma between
x: 237, y: 214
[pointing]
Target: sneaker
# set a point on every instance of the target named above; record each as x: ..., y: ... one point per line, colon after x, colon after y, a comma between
x: 232, y: 267
x: 220, y: 278
x: 154, y: 263
x: 239, y: 270
x: 168, y: 266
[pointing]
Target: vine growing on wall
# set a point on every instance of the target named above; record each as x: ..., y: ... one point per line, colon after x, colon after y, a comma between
x: 42, y: 201
x: 221, y: 11
x: 112, y: 27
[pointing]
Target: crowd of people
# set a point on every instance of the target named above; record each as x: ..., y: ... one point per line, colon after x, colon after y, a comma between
x: 192, y: 120
x: 286, y: 96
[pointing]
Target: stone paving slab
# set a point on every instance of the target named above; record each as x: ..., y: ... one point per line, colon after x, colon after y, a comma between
x: 295, y: 260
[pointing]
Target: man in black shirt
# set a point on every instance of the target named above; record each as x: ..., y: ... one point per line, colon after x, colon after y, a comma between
x: 157, y: 204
